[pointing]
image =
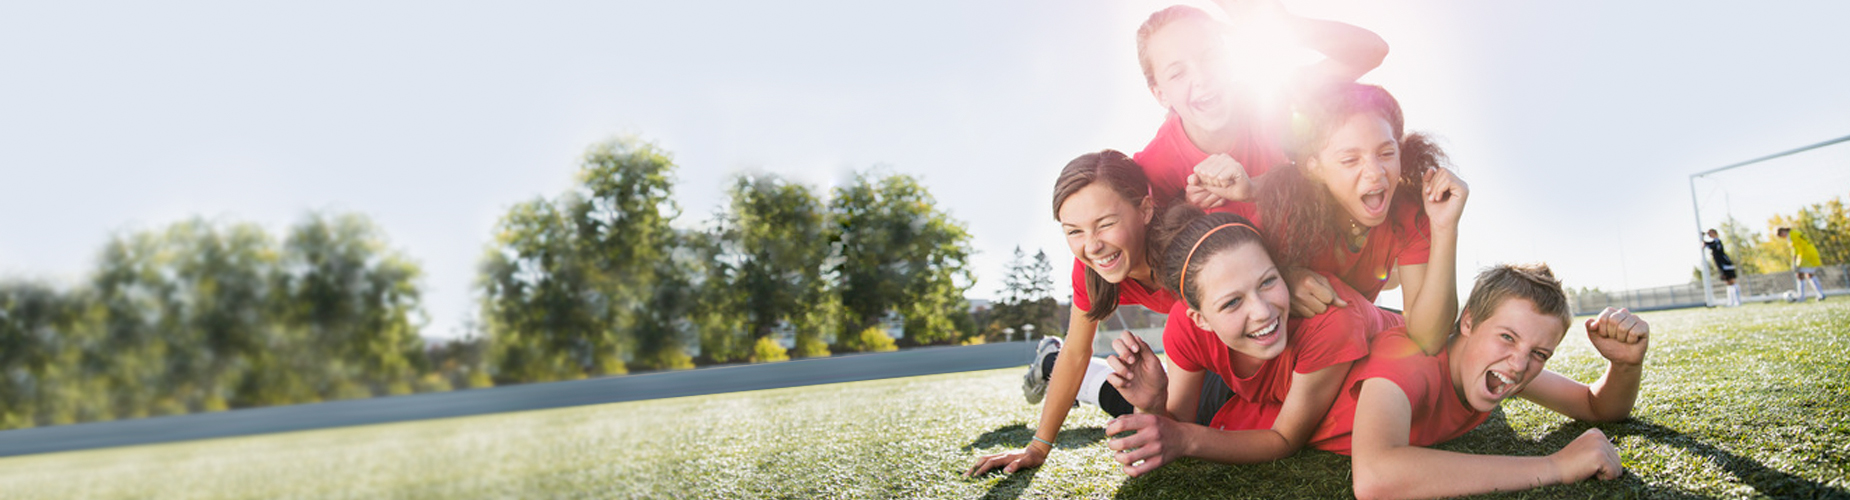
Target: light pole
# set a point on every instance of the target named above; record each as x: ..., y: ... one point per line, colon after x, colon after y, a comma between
x: 1027, y: 332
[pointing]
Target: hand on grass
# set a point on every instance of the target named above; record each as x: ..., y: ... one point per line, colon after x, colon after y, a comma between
x: 1138, y: 374
x: 1590, y: 456
x: 1620, y: 336
x: 1157, y: 440
x: 1223, y: 177
x: 1008, y: 461
x: 1311, y: 293
x: 1444, y: 198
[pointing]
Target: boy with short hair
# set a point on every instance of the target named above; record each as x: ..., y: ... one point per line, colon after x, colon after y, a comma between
x: 1399, y: 400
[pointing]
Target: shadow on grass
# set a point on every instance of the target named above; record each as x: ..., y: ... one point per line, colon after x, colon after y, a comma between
x: 1765, y: 480
x: 1017, y: 436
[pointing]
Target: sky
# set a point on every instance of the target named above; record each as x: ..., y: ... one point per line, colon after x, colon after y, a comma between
x: 1576, y: 123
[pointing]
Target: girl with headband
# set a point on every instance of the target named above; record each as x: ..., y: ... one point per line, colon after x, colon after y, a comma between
x: 1103, y: 203
x: 1232, y: 321
x: 1369, y: 204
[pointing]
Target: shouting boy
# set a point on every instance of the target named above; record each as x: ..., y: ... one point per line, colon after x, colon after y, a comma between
x: 1399, y: 401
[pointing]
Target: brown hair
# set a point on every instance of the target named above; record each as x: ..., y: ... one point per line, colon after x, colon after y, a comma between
x: 1533, y: 282
x: 1126, y: 179
x: 1304, y: 218
x: 1188, y: 239
x: 1155, y: 23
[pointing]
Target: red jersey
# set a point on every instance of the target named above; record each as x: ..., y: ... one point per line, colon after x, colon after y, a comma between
x: 1171, y: 156
x: 1129, y: 292
x: 1339, y: 335
x: 1405, y: 239
x: 1438, y: 414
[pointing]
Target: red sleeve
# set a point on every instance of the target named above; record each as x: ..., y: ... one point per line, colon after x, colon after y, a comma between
x: 1339, y: 335
x: 1163, y: 162
x: 1080, y: 298
x: 1397, y: 359
x: 1180, y: 340
x: 1416, y: 241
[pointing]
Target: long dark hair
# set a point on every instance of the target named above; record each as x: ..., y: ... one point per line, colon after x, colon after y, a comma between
x: 1303, y: 219
x: 1189, y: 238
x: 1127, y: 180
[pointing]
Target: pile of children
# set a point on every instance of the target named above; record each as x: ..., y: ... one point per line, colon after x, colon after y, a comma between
x: 1266, y: 227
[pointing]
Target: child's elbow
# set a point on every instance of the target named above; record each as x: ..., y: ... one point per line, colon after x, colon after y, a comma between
x: 1371, y: 489
x: 1371, y: 483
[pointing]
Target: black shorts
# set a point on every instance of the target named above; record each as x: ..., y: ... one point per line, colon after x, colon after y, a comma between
x: 1728, y: 274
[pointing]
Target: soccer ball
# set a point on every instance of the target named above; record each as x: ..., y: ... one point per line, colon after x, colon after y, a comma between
x: 1790, y: 296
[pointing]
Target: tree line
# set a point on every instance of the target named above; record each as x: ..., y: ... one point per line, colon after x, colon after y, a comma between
x: 595, y: 281
x: 207, y: 315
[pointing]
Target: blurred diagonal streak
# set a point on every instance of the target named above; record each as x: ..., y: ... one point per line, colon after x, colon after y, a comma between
x: 838, y: 369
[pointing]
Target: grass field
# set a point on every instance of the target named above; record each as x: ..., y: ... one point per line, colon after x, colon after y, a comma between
x: 1738, y: 403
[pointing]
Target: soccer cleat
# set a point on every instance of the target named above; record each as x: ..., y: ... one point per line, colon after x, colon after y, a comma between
x: 1033, y: 384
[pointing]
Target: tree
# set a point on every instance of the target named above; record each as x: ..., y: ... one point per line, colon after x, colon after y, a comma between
x: 1027, y: 296
x: 539, y: 305
x: 353, y: 303
x: 38, y: 352
x: 774, y: 237
x: 899, y: 253
x: 567, y: 283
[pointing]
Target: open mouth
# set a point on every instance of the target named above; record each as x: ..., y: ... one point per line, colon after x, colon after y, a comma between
x: 1497, y: 384
x: 1205, y: 103
x: 1107, y: 262
x: 1267, y: 335
x: 1375, y: 201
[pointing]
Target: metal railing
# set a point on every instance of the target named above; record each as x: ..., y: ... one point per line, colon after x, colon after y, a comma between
x: 1755, y: 288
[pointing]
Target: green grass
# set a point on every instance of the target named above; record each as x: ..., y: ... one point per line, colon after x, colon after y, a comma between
x: 1747, y: 402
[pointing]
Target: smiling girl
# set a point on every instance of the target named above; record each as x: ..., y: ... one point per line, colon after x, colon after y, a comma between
x: 1103, y: 203
x: 1232, y: 322
x: 1370, y: 204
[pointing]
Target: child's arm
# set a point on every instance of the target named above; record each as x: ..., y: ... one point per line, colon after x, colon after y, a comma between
x: 1138, y: 374
x: 1311, y: 293
x: 1350, y: 51
x: 1622, y: 338
x: 1159, y: 440
x: 1068, y: 369
x: 1430, y: 290
x: 1386, y: 466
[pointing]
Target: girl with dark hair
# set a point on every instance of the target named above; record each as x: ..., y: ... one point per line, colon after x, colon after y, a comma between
x: 1103, y: 203
x: 1232, y: 323
x: 1370, y: 204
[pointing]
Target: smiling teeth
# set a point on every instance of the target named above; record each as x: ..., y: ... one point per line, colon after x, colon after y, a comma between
x: 1506, y: 380
x: 1267, y: 331
x: 1106, y: 262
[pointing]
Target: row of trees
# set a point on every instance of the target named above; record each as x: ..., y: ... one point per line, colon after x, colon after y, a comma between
x: 596, y: 281
x: 204, y: 316
x: 1826, y: 224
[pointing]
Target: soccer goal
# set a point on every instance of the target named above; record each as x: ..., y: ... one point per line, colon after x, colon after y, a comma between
x: 1742, y: 200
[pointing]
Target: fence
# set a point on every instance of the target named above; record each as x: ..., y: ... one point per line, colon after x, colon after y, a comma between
x: 1755, y: 288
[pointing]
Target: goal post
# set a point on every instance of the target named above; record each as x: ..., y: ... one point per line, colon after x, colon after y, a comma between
x: 1696, y: 203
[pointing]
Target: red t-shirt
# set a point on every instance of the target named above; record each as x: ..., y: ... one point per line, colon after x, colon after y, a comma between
x: 1438, y: 414
x: 1405, y: 239
x: 1129, y: 292
x: 1171, y: 157
x: 1339, y: 335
